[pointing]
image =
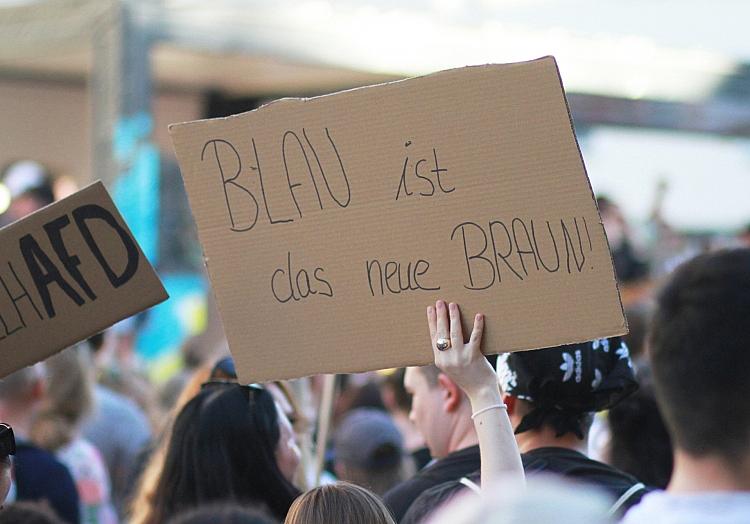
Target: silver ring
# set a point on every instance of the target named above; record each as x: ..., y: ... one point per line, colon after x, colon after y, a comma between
x: 442, y: 343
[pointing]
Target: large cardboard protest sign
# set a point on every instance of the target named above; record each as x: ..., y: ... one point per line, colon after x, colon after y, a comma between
x: 67, y: 272
x: 329, y: 224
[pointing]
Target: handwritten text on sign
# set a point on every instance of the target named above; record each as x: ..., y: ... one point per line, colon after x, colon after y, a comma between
x: 67, y: 272
x: 328, y: 224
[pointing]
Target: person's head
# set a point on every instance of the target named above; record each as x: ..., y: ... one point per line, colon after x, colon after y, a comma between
x: 27, y: 512
x: 68, y: 399
x: 439, y: 409
x: 639, y: 443
x: 339, y: 502
x: 558, y: 389
x: 229, y: 442
x: 29, y: 186
x: 700, y: 358
x: 21, y: 394
x: 222, y: 513
x: 368, y: 450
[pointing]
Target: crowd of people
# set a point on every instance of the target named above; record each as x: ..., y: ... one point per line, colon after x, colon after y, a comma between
x: 651, y: 427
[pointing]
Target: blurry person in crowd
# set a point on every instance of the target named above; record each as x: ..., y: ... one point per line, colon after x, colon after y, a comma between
x: 7, y: 448
x: 551, y: 396
x: 142, y: 504
x: 398, y: 403
x: 744, y: 236
x: 698, y: 347
x: 28, y: 187
x: 28, y: 513
x: 639, y: 442
x: 38, y: 475
x: 229, y: 443
x: 339, y: 502
x: 57, y: 428
x: 368, y: 451
x: 222, y: 513
x: 442, y: 413
x: 629, y: 266
x: 442, y: 410
x: 120, y: 431
x: 544, y: 500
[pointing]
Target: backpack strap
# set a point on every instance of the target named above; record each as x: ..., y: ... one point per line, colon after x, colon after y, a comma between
x: 635, y: 488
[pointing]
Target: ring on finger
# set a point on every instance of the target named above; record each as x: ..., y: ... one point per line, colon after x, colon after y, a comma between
x: 442, y: 343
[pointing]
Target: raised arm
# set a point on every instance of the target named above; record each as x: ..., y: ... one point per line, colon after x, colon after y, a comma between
x: 465, y: 364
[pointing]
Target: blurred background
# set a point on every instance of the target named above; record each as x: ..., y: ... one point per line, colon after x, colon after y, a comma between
x: 659, y: 92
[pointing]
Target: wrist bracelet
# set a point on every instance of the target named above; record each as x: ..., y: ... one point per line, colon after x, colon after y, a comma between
x: 494, y: 406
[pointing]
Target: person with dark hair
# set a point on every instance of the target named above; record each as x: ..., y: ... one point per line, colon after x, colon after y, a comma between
x: 639, y: 442
x: 700, y: 360
x: 551, y: 395
x: 339, y: 502
x: 222, y: 513
x: 28, y: 513
x: 229, y: 443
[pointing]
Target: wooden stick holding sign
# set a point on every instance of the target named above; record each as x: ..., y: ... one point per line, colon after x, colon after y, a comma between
x: 69, y: 271
x: 324, y: 424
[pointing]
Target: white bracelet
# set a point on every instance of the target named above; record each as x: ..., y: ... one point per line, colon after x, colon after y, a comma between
x: 494, y: 406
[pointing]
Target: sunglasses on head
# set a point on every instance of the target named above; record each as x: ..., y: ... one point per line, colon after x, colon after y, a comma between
x: 250, y: 390
x: 7, y: 441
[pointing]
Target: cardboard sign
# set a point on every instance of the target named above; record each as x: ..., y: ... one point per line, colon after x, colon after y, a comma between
x: 329, y: 224
x: 67, y: 272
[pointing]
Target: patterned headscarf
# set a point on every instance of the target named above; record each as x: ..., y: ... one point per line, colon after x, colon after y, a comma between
x: 566, y: 383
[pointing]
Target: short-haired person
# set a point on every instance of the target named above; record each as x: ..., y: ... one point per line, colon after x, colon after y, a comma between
x: 229, y: 443
x: 38, y: 475
x: 339, y: 502
x: 700, y: 354
x: 448, y: 407
x: 368, y: 450
x: 551, y: 395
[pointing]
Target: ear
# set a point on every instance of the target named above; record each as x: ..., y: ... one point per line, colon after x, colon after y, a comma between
x: 452, y: 394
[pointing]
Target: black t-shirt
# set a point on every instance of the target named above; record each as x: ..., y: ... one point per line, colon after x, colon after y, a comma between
x: 449, y: 468
x: 560, y: 461
x: 40, y: 476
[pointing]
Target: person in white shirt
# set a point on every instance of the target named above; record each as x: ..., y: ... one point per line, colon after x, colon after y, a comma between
x: 700, y: 352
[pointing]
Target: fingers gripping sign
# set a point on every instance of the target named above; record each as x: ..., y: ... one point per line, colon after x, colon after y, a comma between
x: 462, y: 361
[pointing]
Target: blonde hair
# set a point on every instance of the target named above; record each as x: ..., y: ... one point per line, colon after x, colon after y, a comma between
x: 68, y: 399
x: 339, y: 502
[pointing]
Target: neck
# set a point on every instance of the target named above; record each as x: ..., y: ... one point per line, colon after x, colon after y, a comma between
x: 693, y: 474
x: 544, y: 437
x: 464, y: 435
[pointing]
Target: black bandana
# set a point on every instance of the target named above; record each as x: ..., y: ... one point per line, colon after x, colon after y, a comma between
x: 566, y: 383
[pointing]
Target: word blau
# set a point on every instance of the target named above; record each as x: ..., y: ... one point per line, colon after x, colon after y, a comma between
x: 60, y: 268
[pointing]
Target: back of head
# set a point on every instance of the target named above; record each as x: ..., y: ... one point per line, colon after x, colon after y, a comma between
x: 563, y: 385
x: 222, y: 513
x: 68, y: 398
x: 368, y: 450
x: 19, y: 386
x: 28, y: 513
x: 700, y: 357
x: 339, y: 502
x: 222, y: 447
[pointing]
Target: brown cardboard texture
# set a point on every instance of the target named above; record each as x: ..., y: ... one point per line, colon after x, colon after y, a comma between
x: 329, y: 224
x: 67, y: 272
